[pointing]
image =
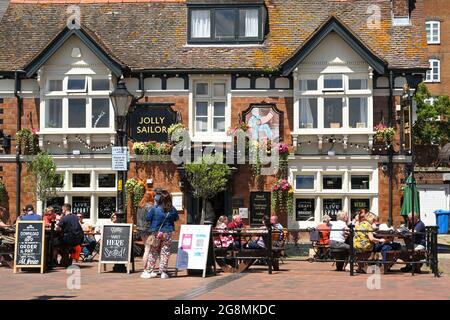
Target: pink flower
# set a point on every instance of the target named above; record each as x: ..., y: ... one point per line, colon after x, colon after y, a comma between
x: 35, y: 131
x: 275, y: 188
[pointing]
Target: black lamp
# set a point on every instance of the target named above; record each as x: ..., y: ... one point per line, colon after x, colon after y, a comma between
x: 121, y: 100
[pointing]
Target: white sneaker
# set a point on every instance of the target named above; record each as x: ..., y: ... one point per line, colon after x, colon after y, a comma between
x: 164, y: 275
x: 145, y: 275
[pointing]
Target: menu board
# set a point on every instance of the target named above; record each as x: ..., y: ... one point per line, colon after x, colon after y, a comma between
x: 115, y: 246
x: 331, y: 207
x: 304, y: 209
x: 260, y: 205
x: 29, y: 245
x: 358, y: 204
x: 82, y: 205
x: 193, y: 247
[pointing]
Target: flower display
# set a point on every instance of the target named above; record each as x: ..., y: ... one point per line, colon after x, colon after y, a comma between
x: 152, y: 148
x: 282, y: 197
x: 241, y: 126
x: 384, y: 134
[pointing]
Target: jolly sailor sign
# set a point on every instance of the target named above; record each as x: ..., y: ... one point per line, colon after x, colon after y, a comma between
x: 150, y: 122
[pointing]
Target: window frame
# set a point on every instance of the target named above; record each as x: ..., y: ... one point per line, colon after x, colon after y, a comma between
x: 431, y: 23
x: 209, y: 135
x: 320, y: 94
x: 308, y: 174
x: 335, y: 175
x: 430, y: 71
x: 237, y: 39
x: 65, y: 96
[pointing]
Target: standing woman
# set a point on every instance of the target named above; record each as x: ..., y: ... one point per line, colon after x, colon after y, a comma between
x: 162, y: 223
x: 143, y: 225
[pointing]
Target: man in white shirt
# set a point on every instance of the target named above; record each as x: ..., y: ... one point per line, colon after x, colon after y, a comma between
x: 339, y: 232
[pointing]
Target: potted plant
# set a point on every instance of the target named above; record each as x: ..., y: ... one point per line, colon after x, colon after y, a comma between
x: 135, y: 190
x: 283, y: 197
x: 28, y: 141
x: 384, y: 134
x: 178, y: 128
x: 139, y: 148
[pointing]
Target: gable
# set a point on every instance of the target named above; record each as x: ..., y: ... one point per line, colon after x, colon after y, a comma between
x: 79, y: 36
x: 336, y: 29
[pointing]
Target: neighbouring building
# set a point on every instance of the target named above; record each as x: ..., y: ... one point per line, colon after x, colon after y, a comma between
x: 432, y: 173
x: 323, y: 72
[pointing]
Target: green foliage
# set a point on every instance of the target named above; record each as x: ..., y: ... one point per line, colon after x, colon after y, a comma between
x: 43, y: 176
x: 3, y: 193
x: 208, y: 176
x: 282, y: 197
x: 134, y: 190
x: 178, y: 128
x: 432, y: 126
x: 28, y: 141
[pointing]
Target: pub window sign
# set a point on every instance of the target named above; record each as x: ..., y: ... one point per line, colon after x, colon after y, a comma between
x: 150, y: 122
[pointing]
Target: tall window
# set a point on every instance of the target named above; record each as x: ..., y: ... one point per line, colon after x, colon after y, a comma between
x: 433, y: 32
x: 434, y: 73
x: 77, y: 102
x: 210, y: 106
x: 226, y: 24
x: 333, y: 101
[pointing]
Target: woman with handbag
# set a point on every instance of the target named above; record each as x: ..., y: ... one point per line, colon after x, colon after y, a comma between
x: 143, y: 226
x: 162, y: 219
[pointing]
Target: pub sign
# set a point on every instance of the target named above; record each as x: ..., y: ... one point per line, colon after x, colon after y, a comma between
x: 150, y: 122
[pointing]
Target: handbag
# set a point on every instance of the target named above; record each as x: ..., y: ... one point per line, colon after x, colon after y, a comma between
x: 153, y: 240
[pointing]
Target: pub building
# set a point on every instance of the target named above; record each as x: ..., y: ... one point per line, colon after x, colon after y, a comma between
x: 322, y: 73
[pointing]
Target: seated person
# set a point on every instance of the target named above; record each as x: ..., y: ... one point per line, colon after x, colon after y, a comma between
x: 30, y: 214
x: 277, y: 227
x: 260, y: 242
x: 364, y: 239
x: 71, y: 234
x: 89, y: 240
x: 387, y: 245
x: 3, y: 217
x: 324, y: 230
x: 419, y: 239
x: 223, y: 241
x: 339, y: 232
x: 376, y: 222
x: 49, y: 216
x: 236, y: 224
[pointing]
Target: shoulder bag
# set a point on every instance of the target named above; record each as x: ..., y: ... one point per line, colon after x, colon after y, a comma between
x: 153, y: 240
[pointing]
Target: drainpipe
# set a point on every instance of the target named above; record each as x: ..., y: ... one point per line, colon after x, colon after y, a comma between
x: 391, y: 150
x: 17, y: 88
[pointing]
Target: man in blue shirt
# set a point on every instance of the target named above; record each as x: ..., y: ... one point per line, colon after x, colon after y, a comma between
x: 30, y: 215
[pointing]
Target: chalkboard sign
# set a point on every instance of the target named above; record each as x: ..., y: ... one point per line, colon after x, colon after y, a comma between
x: 260, y: 205
x: 29, y: 245
x: 331, y: 207
x: 106, y: 207
x: 304, y: 209
x: 115, y: 246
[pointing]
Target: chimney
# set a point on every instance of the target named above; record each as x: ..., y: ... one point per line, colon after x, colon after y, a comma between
x: 400, y: 8
x: 401, y: 11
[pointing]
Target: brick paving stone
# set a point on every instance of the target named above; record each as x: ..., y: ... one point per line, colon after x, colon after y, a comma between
x: 295, y: 280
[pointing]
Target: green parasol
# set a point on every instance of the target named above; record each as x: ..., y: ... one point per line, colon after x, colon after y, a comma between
x: 409, y: 190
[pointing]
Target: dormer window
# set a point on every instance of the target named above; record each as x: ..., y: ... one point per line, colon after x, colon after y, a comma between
x: 226, y: 24
x: 76, y: 84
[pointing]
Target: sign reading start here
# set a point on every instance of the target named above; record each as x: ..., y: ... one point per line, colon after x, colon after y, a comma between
x: 151, y: 122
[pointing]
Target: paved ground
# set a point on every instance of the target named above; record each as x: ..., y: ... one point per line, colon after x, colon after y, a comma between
x: 295, y: 280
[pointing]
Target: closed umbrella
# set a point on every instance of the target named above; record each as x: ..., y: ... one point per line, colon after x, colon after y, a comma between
x: 409, y: 190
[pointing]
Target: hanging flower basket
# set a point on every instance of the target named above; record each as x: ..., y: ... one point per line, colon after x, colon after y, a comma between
x: 384, y: 134
x: 283, y: 151
x: 282, y: 197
